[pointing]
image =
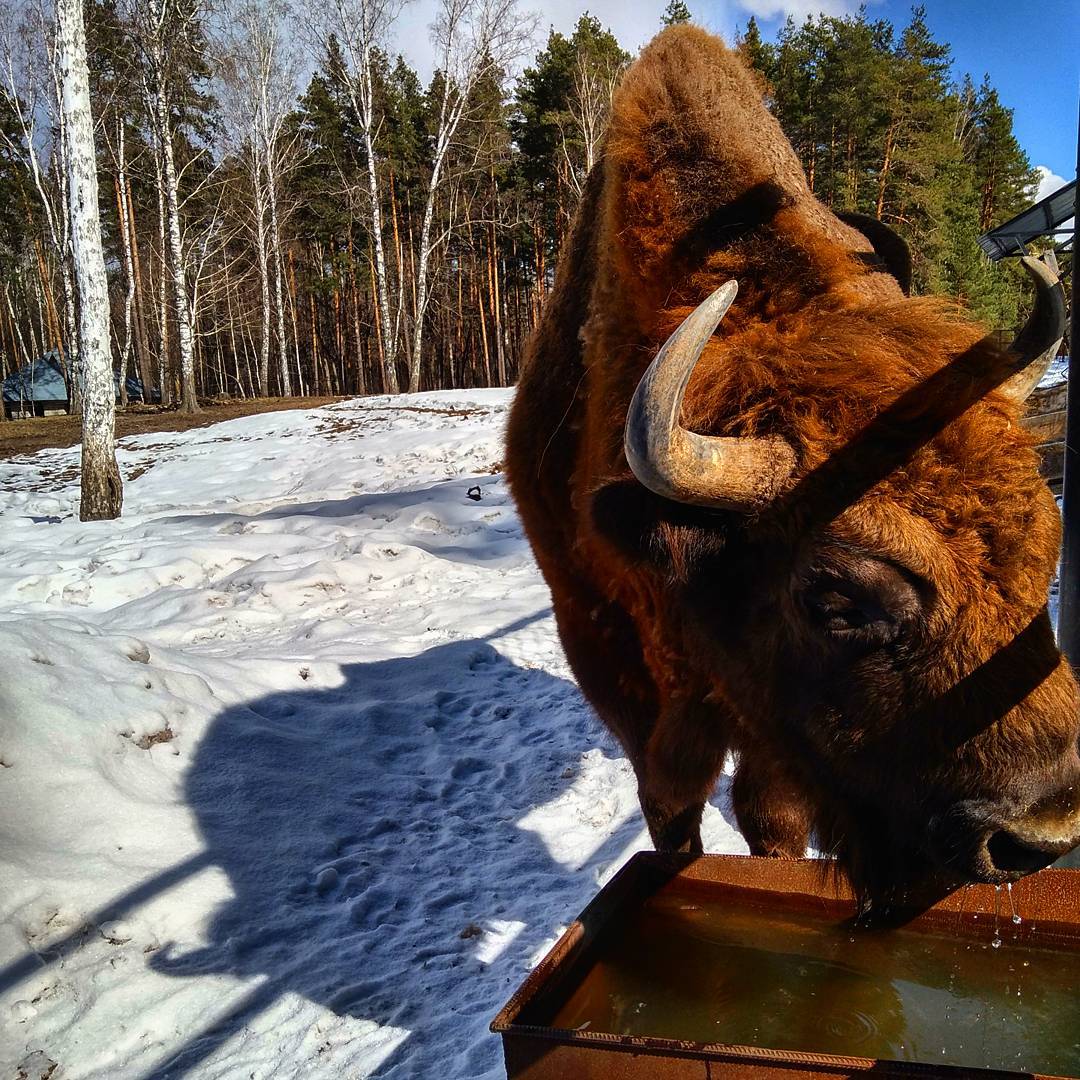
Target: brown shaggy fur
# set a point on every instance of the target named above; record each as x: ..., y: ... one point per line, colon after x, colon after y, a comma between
x: 916, y: 487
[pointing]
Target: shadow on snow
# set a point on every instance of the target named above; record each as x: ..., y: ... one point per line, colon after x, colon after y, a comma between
x: 364, y: 828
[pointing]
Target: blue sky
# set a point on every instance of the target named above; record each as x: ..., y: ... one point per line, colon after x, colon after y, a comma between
x: 1030, y: 48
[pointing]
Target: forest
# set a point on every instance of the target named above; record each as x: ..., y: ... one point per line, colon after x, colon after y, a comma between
x: 287, y: 208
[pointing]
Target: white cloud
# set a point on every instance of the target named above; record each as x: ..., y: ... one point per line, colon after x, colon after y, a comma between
x: 1049, y: 182
x: 797, y: 9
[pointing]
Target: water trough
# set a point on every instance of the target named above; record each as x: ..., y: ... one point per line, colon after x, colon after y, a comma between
x: 720, y: 966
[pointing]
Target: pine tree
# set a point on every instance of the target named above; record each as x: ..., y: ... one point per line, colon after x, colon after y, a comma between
x: 331, y: 156
x: 757, y: 53
x: 852, y: 102
x: 880, y: 129
x: 1003, y: 175
x: 556, y: 150
x: 919, y: 149
x: 18, y: 218
x: 675, y: 13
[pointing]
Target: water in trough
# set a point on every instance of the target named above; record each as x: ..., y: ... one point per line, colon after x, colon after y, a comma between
x: 714, y: 971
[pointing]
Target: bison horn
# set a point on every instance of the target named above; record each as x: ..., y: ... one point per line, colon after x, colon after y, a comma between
x: 1037, y: 344
x: 724, y: 473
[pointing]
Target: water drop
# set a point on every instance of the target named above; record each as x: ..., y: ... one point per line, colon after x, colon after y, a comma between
x: 996, y: 943
x: 1012, y: 907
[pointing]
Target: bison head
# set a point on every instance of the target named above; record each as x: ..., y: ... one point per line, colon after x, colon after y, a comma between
x: 861, y: 560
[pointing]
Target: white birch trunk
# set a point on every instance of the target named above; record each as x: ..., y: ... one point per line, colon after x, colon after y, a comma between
x: 102, y: 490
x: 67, y: 253
x: 70, y: 347
x: 129, y: 267
x: 264, y: 277
x: 390, y: 379
x: 184, y: 335
x: 448, y: 122
x: 164, y: 379
x: 15, y: 327
x: 470, y: 38
x: 279, y: 291
x: 360, y: 27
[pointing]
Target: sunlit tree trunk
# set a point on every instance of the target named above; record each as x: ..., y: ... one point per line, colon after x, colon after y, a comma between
x: 129, y: 268
x: 164, y: 376
x: 102, y: 490
x: 264, y: 279
x: 279, y: 290
x: 184, y: 335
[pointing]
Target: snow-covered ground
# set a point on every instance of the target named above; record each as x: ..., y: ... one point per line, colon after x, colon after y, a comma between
x: 294, y: 781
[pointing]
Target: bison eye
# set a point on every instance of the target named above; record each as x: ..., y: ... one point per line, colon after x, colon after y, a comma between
x: 861, y: 601
x: 849, y: 615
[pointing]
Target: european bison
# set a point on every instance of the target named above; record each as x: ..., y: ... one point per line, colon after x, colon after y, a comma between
x: 813, y: 534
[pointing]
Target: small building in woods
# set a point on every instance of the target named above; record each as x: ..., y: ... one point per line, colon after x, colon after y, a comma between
x: 39, y: 388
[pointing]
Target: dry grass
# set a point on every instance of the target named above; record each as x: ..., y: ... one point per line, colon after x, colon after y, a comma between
x: 153, y: 738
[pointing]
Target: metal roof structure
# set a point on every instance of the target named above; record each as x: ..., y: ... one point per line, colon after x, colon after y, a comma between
x: 1045, y: 218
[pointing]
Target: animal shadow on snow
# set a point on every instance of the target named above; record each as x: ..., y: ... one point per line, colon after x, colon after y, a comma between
x: 370, y: 835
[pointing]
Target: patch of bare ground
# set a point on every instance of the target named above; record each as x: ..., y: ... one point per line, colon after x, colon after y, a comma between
x: 356, y: 423
x: 144, y: 742
x: 55, y: 432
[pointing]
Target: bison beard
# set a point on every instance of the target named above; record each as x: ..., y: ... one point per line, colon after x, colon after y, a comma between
x: 826, y: 547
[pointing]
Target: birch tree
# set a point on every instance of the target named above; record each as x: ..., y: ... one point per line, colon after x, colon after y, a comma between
x: 359, y: 27
x: 258, y: 70
x: 472, y: 39
x: 589, y: 105
x: 38, y: 137
x: 164, y: 34
x: 102, y: 490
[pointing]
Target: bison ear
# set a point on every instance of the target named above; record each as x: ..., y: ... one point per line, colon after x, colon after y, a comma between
x: 649, y: 529
x: 889, y: 246
x: 625, y: 514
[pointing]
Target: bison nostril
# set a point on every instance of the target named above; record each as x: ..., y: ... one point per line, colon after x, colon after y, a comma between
x: 1011, y: 854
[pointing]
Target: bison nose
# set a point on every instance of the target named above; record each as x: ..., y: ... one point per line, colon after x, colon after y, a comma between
x: 1047, y: 831
x: 1012, y: 852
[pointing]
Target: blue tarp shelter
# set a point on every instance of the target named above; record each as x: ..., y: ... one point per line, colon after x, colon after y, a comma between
x: 38, y: 388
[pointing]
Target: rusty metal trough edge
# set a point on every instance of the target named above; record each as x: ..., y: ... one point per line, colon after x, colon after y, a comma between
x: 1049, y: 900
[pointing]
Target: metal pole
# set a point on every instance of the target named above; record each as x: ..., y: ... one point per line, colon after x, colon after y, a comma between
x: 1069, y: 585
